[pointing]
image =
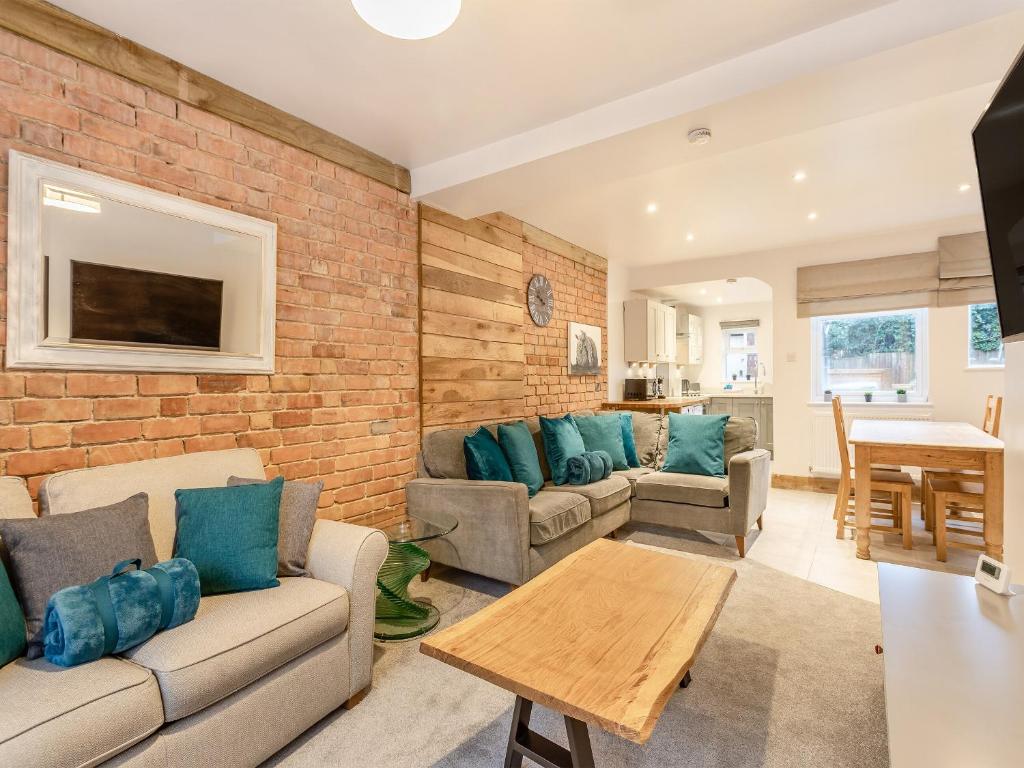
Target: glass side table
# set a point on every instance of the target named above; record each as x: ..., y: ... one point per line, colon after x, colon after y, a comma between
x: 399, y: 615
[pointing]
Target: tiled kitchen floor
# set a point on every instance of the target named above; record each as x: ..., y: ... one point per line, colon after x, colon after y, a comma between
x: 799, y: 537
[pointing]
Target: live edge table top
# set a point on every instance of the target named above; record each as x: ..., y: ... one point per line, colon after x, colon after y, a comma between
x: 604, y: 636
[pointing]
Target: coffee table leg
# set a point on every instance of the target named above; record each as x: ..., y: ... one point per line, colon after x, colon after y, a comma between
x: 685, y: 682
x: 522, y: 742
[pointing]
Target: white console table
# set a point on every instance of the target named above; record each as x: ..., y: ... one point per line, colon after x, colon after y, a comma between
x: 954, y: 670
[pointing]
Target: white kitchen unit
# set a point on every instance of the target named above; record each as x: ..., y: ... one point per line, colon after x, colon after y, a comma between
x: 650, y: 331
x: 689, y: 339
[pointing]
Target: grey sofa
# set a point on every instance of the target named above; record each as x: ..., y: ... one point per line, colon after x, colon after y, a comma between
x: 505, y: 535
x: 249, y: 674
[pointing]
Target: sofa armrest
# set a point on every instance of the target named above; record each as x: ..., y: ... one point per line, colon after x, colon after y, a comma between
x: 493, y: 535
x: 749, y: 479
x: 350, y: 556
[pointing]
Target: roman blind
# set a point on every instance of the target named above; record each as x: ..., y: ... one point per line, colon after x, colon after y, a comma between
x: 729, y: 324
x: 957, y: 273
x: 965, y: 272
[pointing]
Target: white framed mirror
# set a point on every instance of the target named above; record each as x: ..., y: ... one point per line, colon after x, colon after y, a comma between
x: 108, y: 275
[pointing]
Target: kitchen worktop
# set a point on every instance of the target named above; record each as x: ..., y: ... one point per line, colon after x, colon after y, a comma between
x: 736, y: 393
x: 661, y: 404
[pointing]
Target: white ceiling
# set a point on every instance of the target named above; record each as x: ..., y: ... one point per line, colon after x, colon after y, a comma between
x: 713, y: 293
x: 572, y: 114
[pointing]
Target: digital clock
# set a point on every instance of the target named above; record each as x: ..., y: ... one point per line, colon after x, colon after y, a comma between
x: 993, y: 575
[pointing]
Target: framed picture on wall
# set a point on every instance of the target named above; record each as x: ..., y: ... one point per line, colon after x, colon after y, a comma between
x: 584, y: 350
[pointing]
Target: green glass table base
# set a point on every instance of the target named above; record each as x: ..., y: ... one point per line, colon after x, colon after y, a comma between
x: 400, y: 616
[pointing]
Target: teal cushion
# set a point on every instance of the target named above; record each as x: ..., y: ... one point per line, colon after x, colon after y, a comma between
x: 578, y: 469
x: 12, y: 622
x: 696, y: 444
x: 484, y: 459
x: 604, y: 433
x: 628, y: 441
x: 230, y: 534
x: 520, y: 450
x: 562, y: 441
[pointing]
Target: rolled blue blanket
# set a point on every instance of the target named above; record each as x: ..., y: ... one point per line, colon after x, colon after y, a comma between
x: 119, y: 611
x: 588, y: 467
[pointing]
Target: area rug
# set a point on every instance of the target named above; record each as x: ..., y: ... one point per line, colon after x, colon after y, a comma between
x: 788, y: 678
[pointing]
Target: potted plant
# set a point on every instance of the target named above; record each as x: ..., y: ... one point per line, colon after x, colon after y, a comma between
x: 901, y: 395
x: 828, y: 395
x: 867, y: 397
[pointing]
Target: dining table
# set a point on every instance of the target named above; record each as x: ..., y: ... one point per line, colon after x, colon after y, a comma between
x: 945, y: 445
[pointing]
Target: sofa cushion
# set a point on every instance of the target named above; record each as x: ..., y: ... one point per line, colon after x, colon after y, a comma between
x: 633, y: 474
x: 646, y: 433
x: 555, y: 514
x: 14, y: 499
x: 740, y: 436
x: 603, y: 432
x: 484, y: 458
x: 52, y: 717
x: 517, y: 443
x: 696, y: 444
x: 699, y: 490
x: 78, y: 489
x: 238, y: 638
x: 604, y: 495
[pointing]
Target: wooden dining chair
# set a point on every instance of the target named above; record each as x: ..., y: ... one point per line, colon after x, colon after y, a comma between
x: 990, y: 422
x: 891, y: 491
x: 958, y: 506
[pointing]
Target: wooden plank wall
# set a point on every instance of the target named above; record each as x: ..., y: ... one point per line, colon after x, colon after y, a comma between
x: 472, y: 304
x: 482, y: 358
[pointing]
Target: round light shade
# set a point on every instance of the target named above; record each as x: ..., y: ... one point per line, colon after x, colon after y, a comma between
x: 409, y: 19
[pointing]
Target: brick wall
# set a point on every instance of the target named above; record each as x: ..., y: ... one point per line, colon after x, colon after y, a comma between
x: 581, y: 296
x: 343, y: 403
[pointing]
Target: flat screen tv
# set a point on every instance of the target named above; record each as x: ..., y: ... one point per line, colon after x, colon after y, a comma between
x: 117, y: 305
x: 999, y: 151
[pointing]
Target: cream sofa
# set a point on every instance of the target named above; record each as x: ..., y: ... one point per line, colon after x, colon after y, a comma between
x: 505, y: 535
x: 250, y: 673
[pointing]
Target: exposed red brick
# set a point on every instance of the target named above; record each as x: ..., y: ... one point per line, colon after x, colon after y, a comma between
x: 100, y: 384
x: 52, y: 410
x: 45, y: 462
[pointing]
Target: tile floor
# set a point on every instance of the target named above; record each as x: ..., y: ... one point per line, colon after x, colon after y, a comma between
x: 799, y: 538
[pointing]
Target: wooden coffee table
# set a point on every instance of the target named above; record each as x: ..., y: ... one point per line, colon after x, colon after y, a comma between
x: 604, y: 637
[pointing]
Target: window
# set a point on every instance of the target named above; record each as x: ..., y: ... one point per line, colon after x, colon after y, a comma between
x: 739, y: 354
x: 984, y: 337
x: 876, y: 352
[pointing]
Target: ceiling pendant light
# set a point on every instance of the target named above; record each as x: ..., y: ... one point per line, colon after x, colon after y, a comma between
x: 409, y: 19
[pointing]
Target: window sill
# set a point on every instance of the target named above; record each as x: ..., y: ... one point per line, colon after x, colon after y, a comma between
x: 875, y: 404
x: 974, y: 368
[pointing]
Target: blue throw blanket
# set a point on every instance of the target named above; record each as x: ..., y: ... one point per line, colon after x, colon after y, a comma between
x: 119, y: 611
x: 588, y: 467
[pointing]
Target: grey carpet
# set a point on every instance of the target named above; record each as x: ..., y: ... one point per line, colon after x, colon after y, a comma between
x: 789, y: 677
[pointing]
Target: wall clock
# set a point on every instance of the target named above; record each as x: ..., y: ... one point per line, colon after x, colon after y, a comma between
x: 540, y: 298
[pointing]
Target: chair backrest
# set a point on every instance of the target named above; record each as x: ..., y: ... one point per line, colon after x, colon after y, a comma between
x: 993, y: 414
x: 844, y: 448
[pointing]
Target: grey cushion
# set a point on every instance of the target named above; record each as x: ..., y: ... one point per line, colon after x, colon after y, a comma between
x: 50, y: 553
x: 646, y: 432
x: 633, y: 474
x: 604, y: 495
x: 555, y: 514
x: 740, y: 436
x: 298, y: 514
x: 238, y: 638
x: 65, y: 718
x: 699, y: 490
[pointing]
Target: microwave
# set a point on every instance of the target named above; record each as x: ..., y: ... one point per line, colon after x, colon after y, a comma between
x: 640, y: 389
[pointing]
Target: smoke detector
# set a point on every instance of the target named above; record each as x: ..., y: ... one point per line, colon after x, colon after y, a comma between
x: 699, y: 136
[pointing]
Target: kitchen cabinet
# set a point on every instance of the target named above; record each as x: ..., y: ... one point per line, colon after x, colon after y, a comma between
x: 689, y: 340
x: 649, y: 332
x: 756, y: 406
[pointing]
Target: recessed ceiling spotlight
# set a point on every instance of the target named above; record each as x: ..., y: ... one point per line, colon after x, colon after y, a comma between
x: 409, y: 19
x: 812, y: 216
x: 730, y: 280
x: 703, y: 291
x: 699, y: 136
x: 965, y: 187
x: 689, y: 237
x: 652, y: 207
x: 799, y: 176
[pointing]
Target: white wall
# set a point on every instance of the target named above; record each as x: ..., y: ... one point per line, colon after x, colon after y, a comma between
x: 956, y: 393
x: 1013, y: 436
x: 618, y: 292
x: 710, y: 373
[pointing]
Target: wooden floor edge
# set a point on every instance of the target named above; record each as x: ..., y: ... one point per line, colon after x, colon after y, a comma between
x: 79, y: 38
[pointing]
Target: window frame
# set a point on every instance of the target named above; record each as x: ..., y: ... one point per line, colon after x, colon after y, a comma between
x: 756, y: 349
x: 982, y: 366
x: 921, y: 350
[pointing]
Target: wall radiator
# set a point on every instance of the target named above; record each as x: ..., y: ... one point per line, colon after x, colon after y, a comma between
x: 825, y: 447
